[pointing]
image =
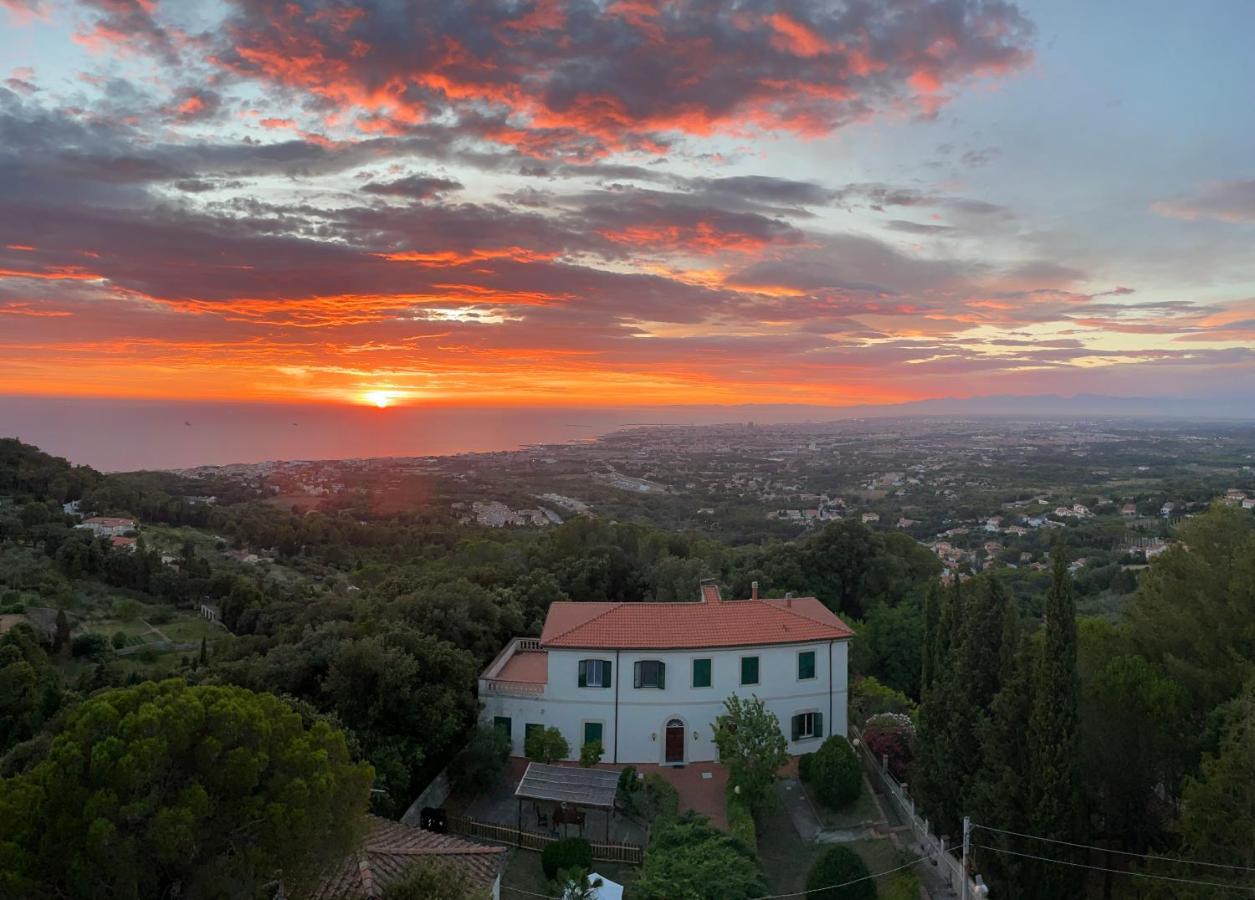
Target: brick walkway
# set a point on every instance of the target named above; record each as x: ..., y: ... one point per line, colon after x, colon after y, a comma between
x: 701, y: 787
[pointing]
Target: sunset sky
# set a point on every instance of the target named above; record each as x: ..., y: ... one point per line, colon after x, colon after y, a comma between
x: 621, y: 203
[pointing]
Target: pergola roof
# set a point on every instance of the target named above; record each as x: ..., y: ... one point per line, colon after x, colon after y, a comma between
x: 568, y: 784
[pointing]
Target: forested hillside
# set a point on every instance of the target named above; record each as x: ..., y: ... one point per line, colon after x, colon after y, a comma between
x: 1120, y: 732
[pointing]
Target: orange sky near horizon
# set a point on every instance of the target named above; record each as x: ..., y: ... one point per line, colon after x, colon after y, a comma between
x: 573, y: 204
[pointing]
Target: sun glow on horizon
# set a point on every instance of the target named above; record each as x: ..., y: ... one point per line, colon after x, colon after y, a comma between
x: 379, y: 399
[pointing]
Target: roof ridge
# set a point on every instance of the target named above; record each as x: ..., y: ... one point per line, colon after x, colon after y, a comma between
x: 801, y: 615
x: 469, y: 850
x: 614, y: 604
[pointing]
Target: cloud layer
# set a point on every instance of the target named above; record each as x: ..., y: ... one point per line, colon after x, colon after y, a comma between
x: 538, y: 202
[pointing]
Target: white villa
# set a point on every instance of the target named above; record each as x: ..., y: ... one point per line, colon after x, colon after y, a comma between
x: 649, y: 679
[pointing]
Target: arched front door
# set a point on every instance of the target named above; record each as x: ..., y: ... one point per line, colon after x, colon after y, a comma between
x: 675, y: 742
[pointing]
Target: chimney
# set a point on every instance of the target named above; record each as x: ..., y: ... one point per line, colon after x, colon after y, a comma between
x: 710, y: 591
x: 788, y: 599
x: 753, y: 590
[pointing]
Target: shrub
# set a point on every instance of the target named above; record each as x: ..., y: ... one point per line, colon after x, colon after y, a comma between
x: 119, y: 640
x: 904, y: 887
x: 546, y: 745
x: 659, y: 797
x: 839, y: 865
x: 89, y: 644
x: 629, y: 786
x: 568, y: 853
x: 481, y: 762
x: 836, y: 773
x: 591, y: 754
x: 804, y: 764
x: 688, y: 857
x: 741, y: 820
x: 890, y: 736
x: 871, y: 698
x: 161, y: 616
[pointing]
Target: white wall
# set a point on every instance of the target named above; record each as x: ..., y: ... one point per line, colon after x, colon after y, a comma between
x: 643, y: 713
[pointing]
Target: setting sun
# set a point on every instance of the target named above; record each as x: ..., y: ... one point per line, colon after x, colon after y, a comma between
x: 380, y: 399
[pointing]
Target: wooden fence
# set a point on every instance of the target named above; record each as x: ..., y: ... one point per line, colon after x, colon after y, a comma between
x: 534, y: 840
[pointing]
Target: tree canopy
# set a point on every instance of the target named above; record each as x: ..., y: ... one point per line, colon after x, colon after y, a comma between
x: 166, y: 789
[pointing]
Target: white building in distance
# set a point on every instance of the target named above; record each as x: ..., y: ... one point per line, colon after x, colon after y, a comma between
x: 648, y: 680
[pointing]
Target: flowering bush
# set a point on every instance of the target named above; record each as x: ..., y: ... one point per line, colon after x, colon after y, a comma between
x: 891, y: 735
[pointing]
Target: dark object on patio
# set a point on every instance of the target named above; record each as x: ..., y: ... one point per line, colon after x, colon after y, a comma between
x: 432, y: 818
x: 542, y: 817
x: 568, y: 815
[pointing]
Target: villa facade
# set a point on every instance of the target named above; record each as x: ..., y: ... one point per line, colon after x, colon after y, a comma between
x: 648, y: 680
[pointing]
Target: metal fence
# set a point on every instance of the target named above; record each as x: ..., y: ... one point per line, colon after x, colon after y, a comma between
x: 936, y: 848
x: 533, y: 840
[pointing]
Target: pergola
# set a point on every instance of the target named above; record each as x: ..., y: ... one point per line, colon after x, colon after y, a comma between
x: 569, y: 786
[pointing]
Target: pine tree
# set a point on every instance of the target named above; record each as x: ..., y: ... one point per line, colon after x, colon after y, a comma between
x: 1056, y: 801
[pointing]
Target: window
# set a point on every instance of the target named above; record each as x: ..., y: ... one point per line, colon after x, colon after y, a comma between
x: 808, y: 725
x: 595, y: 673
x: 806, y: 665
x: 502, y: 724
x: 749, y: 670
x: 651, y: 673
x: 701, y: 673
x: 592, y: 732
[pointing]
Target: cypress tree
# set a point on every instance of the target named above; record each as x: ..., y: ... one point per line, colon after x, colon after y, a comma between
x: 1000, y: 794
x: 1057, y: 803
x: 932, y: 638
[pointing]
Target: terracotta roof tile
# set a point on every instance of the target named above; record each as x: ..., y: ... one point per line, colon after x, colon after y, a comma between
x: 390, y: 849
x: 663, y: 626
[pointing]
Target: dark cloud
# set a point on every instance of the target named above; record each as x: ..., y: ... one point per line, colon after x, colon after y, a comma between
x: 577, y: 78
x: 414, y: 187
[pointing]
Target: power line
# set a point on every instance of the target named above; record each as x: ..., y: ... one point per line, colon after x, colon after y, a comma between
x: 506, y: 887
x: 1195, y: 862
x: 1076, y: 865
x: 845, y: 883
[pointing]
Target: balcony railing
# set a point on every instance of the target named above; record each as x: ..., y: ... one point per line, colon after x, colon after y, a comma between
x: 518, y: 688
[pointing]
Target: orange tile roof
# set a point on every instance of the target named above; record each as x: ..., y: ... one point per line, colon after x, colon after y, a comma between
x: 675, y: 626
x: 391, y: 849
x: 526, y: 666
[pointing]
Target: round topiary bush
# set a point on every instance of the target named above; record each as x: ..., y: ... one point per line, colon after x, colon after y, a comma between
x: 836, y: 773
x: 568, y: 853
x: 837, y: 866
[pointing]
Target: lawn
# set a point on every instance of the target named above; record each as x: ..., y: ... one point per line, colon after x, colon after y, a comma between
x: 786, y: 860
x: 864, y: 809
x: 524, y: 873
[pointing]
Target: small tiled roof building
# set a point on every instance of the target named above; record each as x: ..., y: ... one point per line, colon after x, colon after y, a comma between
x: 390, y: 851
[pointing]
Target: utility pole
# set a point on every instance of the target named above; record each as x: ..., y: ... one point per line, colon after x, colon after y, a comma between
x: 967, y: 843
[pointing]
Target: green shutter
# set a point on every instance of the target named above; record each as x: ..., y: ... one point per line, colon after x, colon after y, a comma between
x: 749, y: 670
x: 583, y: 682
x: 797, y: 727
x: 662, y: 675
x: 502, y: 724
x: 592, y: 732
x: 701, y: 673
x: 819, y: 725
x: 607, y: 673
x: 806, y: 664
